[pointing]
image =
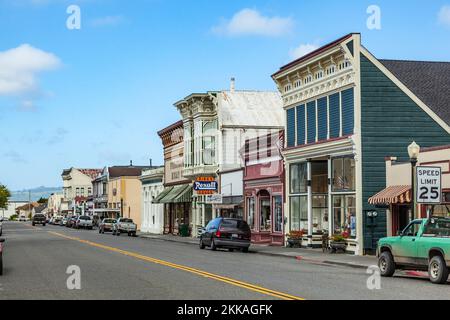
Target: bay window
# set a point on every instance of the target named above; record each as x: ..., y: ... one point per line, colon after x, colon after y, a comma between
x: 344, y: 214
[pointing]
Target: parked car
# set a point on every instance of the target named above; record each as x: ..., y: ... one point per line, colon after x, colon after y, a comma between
x: 423, y: 245
x: 57, y: 220
x: 125, y: 225
x: 63, y: 222
x: 106, y: 225
x: 71, y: 222
x: 1, y: 256
x: 39, y: 219
x: 226, y: 233
x: 23, y: 218
x: 84, y: 222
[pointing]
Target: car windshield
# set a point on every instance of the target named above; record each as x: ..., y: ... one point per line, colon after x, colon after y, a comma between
x: 126, y: 220
x: 85, y: 218
x: 437, y: 227
x: 235, y: 224
x: 109, y: 221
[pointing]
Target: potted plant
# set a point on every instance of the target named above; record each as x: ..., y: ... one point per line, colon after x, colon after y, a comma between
x: 339, y: 242
x: 295, y: 239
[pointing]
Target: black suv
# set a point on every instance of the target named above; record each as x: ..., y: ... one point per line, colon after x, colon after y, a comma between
x: 226, y: 233
x: 39, y: 219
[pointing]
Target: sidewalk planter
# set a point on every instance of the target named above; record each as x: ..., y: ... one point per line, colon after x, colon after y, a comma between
x: 295, y: 239
x: 338, y: 243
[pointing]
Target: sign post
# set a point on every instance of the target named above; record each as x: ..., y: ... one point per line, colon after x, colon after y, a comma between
x: 429, y: 185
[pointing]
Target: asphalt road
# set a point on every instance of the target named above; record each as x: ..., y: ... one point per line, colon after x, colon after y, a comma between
x: 36, y: 261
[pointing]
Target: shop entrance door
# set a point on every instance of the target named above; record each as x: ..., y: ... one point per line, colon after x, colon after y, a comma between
x: 319, y: 184
x: 400, y: 218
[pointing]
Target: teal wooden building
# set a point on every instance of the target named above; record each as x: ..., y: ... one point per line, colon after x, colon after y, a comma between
x: 346, y: 111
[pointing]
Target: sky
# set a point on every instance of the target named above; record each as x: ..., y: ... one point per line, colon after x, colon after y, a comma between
x: 97, y: 95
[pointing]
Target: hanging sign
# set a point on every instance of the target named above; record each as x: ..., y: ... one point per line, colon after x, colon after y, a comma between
x: 429, y: 185
x: 214, y: 199
x: 206, y: 185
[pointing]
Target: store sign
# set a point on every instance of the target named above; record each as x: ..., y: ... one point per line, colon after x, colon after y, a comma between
x: 214, y: 199
x: 206, y: 185
x: 429, y: 185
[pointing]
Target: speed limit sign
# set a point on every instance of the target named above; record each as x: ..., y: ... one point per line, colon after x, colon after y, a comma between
x: 429, y: 187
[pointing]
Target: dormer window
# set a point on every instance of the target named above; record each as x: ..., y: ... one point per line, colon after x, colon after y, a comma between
x: 319, y: 75
x: 331, y: 70
x: 297, y: 84
x: 308, y: 78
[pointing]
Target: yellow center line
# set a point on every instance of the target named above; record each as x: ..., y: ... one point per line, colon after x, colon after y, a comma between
x: 234, y: 282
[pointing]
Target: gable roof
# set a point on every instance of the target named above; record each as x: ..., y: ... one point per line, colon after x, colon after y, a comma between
x: 429, y: 81
x: 92, y: 173
x: 40, y: 208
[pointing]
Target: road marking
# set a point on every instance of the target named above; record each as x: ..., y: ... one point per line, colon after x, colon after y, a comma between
x: 234, y: 282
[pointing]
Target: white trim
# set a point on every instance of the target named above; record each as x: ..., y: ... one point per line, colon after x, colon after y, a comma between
x: 317, y: 120
x: 328, y: 118
x: 405, y: 89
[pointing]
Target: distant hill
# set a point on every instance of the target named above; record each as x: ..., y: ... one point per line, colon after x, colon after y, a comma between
x: 36, y: 193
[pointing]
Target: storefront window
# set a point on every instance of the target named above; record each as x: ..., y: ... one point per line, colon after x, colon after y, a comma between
x: 344, y: 208
x: 251, y: 212
x: 299, y: 178
x: 343, y: 174
x: 319, y: 175
x: 320, y: 213
x: 266, y: 223
x: 278, y: 213
x: 298, y: 213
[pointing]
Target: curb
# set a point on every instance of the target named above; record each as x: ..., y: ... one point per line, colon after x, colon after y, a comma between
x: 270, y: 254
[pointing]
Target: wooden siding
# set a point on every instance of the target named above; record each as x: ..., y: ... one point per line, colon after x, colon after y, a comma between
x: 290, y: 127
x: 348, y: 112
x: 311, y: 114
x: 335, y: 118
x: 390, y: 121
x: 322, y: 118
x: 301, y: 128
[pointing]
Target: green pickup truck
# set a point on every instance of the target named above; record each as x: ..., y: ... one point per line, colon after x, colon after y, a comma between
x: 424, y: 245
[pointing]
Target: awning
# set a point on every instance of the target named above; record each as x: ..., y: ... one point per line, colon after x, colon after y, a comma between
x: 392, y: 195
x: 177, y: 194
x: 161, y: 196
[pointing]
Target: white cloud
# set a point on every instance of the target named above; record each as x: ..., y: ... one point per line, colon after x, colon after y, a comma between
x: 252, y: 22
x: 302, y: 50
x: 444, y: 15
x: 19, y: 68
x: 107, y: 21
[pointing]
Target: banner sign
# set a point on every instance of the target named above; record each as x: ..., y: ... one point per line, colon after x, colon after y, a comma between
x: 214, y: 199
x: 429, y: 185
x: 206, y: 185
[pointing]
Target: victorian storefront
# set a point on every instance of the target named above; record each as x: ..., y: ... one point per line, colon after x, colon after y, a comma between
x: 264, y: 188
x: 177, y: 194
x: 345, y: 112
x: 216, y: 125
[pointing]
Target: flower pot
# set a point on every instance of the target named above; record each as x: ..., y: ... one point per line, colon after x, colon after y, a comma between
x: 294, y: 243
x: 338, y: 246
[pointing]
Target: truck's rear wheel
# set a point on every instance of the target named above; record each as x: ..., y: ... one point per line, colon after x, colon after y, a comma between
x: 437, y: 270
x: 386, y: 264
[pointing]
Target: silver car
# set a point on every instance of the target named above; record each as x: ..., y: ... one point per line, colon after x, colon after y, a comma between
x: 84, y: 222
x: 125, y: 225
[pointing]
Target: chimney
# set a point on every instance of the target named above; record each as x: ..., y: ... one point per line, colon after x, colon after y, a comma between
x: 151, y: 163
x: 233, y: 85
x: 131, y: 163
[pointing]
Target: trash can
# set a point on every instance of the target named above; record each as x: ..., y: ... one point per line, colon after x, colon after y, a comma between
x: 184, y: 230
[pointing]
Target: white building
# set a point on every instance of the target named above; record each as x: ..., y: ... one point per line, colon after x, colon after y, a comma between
x: 152, y: 213
x: 11, y: 209
x: 54, y: 204
x: 216, y: 126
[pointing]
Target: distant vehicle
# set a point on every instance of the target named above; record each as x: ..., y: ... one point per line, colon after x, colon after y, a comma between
x: 1, y: 256
x: 226, y: 233
x: 423, y: 245
x: 106, y: 225
x: 125, y: 225
x: 84, y: 222
x: 71, y: 222
x: 39, y: 219
x: 4, y: 219
x: 57, y: 220
x: 63, y: 222
x: 23, y: 218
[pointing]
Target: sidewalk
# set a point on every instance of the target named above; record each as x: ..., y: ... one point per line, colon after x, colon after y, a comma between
x: 308, y: 255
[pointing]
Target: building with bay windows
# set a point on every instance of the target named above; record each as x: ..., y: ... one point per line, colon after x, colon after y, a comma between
x: 216, y: 126
x: 152, y: 213
x: 345, y: 112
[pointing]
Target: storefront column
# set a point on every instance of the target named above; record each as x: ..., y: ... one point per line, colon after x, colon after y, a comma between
x: 330, y: 199
x: 310, y: 207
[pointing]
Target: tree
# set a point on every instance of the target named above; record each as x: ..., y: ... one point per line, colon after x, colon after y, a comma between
x: 43, y: 200
x: 4, y: 196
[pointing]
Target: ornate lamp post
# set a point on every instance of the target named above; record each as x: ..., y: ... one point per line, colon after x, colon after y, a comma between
x: 413, y: 151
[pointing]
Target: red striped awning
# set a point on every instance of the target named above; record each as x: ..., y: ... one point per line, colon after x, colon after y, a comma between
x: 392, y: 195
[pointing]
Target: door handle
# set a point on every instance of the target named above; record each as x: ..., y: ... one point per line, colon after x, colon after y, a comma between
x: 413, y: 240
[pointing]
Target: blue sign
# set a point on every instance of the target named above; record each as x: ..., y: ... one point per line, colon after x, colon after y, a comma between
x: 206, y: 186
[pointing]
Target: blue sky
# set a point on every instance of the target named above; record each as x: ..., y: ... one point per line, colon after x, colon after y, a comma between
x: 97, y: 96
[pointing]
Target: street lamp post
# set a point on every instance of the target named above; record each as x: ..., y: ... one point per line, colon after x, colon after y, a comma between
x: 413, y: 151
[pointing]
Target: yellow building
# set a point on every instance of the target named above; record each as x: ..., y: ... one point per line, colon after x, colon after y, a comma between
x: 124, y: 192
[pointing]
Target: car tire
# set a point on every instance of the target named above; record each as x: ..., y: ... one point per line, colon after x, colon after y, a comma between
x: 213, y: 245
x: 33, y: 224
x: 43, y: 225
x: 230, y: 250
x: 201, y: 245
x: 118, y: 233
x: 386, y: 264
x: 437, y: 270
